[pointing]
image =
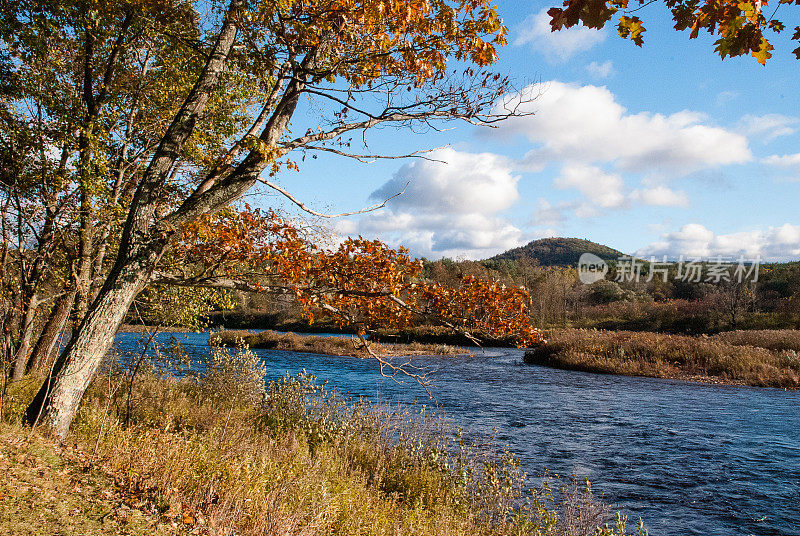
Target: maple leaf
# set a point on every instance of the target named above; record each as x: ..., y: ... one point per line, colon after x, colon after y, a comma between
x: 740, y: 26
x: 763, y: 54
x: 631, y: 28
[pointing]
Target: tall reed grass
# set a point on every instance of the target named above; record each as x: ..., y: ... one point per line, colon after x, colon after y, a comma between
x: 765, y: 358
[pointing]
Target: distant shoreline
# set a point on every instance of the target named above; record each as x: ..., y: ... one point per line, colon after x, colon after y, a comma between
x: 337, y: 346
x: 759, y: 358
x: 139, y: 328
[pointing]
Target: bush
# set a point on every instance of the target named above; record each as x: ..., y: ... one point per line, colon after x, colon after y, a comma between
x: 235, y: 376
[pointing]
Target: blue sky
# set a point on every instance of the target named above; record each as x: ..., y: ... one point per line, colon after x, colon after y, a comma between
x: 659, y: 150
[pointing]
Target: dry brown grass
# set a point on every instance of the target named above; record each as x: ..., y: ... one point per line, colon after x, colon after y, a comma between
x: 315, y: 344
x: 49, y: 489
x: 763, y: 362
x: 772, y: 339
x: 303, y: 462
x: 442, y: 335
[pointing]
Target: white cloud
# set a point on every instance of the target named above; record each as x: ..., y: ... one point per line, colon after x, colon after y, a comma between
x: 603, y: 190
x: 660, y: 196
x: 465, y: 180
x: 768, y: 127
x: 559, y: 46
x: 790, y: 161
x: 548, y: 215
x: 586, y: 124
x: 695, y: 240
x: 601, y: 70
x: 448, y: 209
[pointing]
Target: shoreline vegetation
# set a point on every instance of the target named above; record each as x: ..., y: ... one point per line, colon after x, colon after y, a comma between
x: 761, y: 358
x: 339, y: 346
x: 757, y: 358
x: 218, y: 452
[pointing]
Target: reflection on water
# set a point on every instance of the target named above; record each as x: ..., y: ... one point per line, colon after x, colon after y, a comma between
x: 687, y: 458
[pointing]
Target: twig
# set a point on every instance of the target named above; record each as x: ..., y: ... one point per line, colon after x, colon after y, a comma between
x: 302, y: 205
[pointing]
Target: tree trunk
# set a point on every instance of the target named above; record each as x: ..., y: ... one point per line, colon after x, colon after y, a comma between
x: 57, y: 401
x: 21, y: 357
x: 46, y: 345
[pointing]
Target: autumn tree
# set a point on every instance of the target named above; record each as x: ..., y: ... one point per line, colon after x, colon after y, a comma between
x: 222, y: 83
x: 87, y: 90
x: 741, y: 27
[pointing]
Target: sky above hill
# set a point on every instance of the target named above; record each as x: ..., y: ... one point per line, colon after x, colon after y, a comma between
x: 659, y: 150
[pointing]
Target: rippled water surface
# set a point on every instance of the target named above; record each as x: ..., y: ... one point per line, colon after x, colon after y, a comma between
x: 687, y: 458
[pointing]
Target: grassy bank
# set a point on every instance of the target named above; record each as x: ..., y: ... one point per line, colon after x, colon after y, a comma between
x: 758, y: 358
x: 220, y: 454
x: 343, y: 346
x: 50, y: 489
x: 441, y: 335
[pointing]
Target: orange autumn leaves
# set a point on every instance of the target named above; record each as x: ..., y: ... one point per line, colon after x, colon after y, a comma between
x: 741, y: 27
x: 365, y: 40
x: 363, y: 283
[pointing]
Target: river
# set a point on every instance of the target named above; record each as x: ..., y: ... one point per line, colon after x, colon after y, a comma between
x: 688, y: 458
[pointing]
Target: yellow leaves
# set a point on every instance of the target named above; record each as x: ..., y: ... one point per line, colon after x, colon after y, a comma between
x: 763, y: 53
x: 631, y: 28
x: 379, y: 37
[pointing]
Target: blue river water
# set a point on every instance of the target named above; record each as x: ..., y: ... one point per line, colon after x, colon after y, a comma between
x: 689, y: 459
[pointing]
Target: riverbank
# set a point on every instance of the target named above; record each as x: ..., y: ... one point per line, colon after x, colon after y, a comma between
x: 220, y: 454
x: 49, y: 488
x: 140, y: 328
x: 765, y: 358
x: 340, y: 346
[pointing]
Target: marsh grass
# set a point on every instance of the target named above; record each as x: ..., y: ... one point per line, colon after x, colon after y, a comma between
x: 297, y: 459
x: 342, y: 346
x: 776, y: 340
x: 765, y: 358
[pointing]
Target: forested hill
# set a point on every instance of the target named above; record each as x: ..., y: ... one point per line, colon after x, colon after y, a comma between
x: 558, y: 251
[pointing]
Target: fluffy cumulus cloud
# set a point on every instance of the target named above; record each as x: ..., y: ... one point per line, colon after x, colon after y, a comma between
x: 660, y: 196
x: 453, y: 182
x: 695, y: 240
x: 558, y: 46
x: 451, y: 207
x: 586, y: 124
x: 601, y: 191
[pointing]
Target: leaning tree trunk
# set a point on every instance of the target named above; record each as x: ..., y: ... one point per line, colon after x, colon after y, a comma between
x: 143, y: 242
x: 57, y: 401
x: 46, y: 345
x: 24, y: 348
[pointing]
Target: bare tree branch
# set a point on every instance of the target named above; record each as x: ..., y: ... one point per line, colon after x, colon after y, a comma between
x: 370, y: 158
x: 293, y: 199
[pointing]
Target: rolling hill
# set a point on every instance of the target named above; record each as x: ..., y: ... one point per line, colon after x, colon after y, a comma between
x: 558, y: 251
